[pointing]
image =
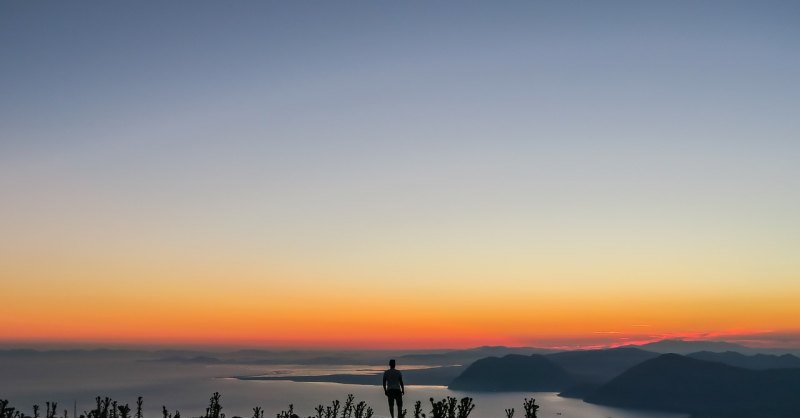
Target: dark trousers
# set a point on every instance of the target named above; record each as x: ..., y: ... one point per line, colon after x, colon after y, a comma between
x: 395, y: 395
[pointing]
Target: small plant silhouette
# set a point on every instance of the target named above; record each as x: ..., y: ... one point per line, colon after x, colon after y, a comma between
x: 333, y: 410
x: 287, y: 414
x: 124, y: 411
x: 530, y: 408
x: 347, y: 410
x: 418, y: 410
x: 510, y: 413
x: 362, y: 410
x: 465, y: 407
x: 9, y: 412
x: 448, y: 407
x: 214, y: 407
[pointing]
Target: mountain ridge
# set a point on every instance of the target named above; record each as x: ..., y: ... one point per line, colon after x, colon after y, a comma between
x: 513, y: 372
x: 672, y: 382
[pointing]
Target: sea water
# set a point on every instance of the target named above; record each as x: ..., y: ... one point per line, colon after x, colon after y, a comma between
x: 74, y: 383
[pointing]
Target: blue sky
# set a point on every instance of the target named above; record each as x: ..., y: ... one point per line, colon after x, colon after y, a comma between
x: 397, y: 136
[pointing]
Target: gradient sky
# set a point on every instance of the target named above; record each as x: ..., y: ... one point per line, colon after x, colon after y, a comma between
x: 415, y: 174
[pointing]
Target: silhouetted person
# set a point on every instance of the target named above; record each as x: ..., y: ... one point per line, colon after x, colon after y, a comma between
x: 394, y: 389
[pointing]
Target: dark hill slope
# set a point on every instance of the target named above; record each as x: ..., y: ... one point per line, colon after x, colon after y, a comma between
x: 676, y: 383
x: 513, y: 373
x: 754, y: 362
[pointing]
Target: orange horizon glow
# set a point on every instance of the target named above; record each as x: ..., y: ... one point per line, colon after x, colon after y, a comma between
x: 309, y: 309
x: 753, y: 339
x: 399, y: 175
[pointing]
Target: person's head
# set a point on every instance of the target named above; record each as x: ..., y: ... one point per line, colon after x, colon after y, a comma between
x: 391, y: 363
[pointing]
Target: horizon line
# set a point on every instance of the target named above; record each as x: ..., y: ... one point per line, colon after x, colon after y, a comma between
x: 44, y: 346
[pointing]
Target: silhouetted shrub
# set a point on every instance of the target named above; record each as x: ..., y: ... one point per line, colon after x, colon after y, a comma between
x: 214, y: 407
x: 418, y: 410
x: 347, y: 411
x: 438, y: 409
x: 362, y: 410
x: 333, y: 410
x: 449, y: 407
x: 124, y: 411
x: 530, y: 408
x: 287, y: 414
x: 51, y: 409
x: 9, y: 412
x: 465, y: 407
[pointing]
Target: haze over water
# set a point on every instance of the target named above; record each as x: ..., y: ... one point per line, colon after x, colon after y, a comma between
x: 187, y: 387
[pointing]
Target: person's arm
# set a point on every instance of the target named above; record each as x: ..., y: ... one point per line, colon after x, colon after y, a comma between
x: 402, y: 387
x: 384, y: 381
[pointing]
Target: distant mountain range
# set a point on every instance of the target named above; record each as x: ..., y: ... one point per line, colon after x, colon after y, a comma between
x: 570, y: 368
x: 678, y: 346
x: 433, y: 358
x: 754, y: 362
x: 687, y: 346
x: 415, y: 357
x: 550, y: 372
x: 467, y: 356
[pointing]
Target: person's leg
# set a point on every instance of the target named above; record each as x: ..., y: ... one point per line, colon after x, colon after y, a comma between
x: 391, y: 403
x: 400, y: 405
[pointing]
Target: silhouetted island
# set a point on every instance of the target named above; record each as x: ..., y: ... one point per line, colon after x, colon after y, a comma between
x: 535, y: 373
x: 672, y: 382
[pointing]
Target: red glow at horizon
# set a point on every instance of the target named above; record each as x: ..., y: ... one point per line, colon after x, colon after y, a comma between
x: 752, y: 338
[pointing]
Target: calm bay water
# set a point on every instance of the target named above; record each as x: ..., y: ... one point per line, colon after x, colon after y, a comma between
x: 187, y: 387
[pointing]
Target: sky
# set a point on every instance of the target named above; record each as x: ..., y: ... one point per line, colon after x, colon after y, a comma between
x: 399, y: 174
